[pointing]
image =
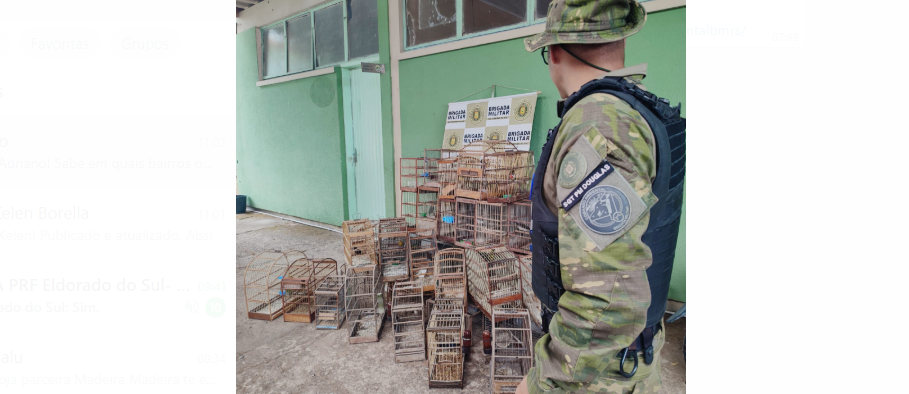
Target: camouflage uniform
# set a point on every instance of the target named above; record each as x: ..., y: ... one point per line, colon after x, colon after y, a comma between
x: 604, y: 307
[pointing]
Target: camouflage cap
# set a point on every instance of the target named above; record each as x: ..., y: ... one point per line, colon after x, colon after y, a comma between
x: 588, y: 22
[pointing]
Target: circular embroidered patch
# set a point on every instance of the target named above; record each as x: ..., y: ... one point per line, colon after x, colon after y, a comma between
x: 605, y: 209
x: 572, y: 170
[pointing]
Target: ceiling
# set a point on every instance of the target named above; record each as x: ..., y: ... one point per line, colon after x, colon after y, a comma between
x: 244, y: 4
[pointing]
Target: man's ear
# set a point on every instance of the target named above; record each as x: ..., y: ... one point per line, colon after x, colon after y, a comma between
x: 555, y: 54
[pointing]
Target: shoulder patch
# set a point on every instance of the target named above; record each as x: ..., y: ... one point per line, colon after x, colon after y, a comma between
x: 572, y: 170
x: 605, y: 209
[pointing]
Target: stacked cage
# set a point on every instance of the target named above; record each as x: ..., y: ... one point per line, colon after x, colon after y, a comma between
x: 330, y: 313
x: 363, y: 304
x: 531, y: 302
x: 359, y: 242
x: 491, y: 224
x: 493, y: 277
x: 465, y: 222
x: 407, y: 320
x: 512, y: 350
x: 412, y: 173
x: 448, y: 178
x: 427, y: 208
x: 298, y: 287
x: 450, y: 279
x: 495, y: 171
x: 447, y: 226
x: 262, y: 283
x: 421, y: 249
x: 446, y: 359
x: 393, y: 249
x: 431, y: 158
x: 410, y: 205
x: 519, y: 226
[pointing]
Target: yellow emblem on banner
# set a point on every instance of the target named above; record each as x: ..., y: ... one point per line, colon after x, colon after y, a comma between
x: 523, y: 111
x: 475, y: 114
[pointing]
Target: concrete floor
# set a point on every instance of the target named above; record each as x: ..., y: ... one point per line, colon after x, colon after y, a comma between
x: 279, y: 357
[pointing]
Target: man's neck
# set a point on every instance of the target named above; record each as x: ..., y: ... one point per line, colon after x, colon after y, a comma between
x: 585, y: 73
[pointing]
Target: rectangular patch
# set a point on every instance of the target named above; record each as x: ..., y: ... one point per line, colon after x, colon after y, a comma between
x: 598, y: 174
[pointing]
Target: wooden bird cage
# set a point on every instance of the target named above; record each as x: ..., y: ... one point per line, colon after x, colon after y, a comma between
x: 495, y: 171
x: 519, y: 226
x: 412, y: 173
x: 431, y: 158
x: 450, y: 262
x: 410, y: 205
x: 427, y: 208
x: 394, y: 265
x: 512, y: 349
x: 359, y: 242
x: 408, y: 321
x: 447, y: 226
x: 465, y: 222
x: 422, y: 249
x: 493, y: 277
x: 364, y: 307
x: 531, y: 302
x: 392, y: 246
x: 448, y: 178
x: 491, y: 224
x: 443, y: 338
x: 450, y: 279
x: 298, y: 287
x: 262, y: 283
x: 330, y: 313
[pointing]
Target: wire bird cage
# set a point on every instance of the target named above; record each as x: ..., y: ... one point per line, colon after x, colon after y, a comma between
x: 519, y: 226
x: 407, y: 320
x: 450, y: 280
x: 427, y: 207
x: 447, y: 226
x: 359, y: 242
x: 492, y: 223
x: 422, y: 248
x: 298, y: 287
x: 493, y: 277
x: 363, y: 304
x: 446, y: 360
x: 465, y: 222
x: 330, y: 313
x: 413, y: 173
x: 531, y: 302
x: 512, y: 349
x: 448, y: 178
x: 495, y: 171
x: 393, y: 252
x: 262, y: 283
x: 431, y: 158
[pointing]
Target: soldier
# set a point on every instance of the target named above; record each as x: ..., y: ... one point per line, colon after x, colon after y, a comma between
x: 607, y: 197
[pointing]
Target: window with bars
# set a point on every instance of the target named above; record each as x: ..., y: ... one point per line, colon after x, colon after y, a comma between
x: 430, y: 22
x: 321, y: 37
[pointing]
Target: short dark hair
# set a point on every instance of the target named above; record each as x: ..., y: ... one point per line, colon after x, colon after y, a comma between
x: 599, y: 52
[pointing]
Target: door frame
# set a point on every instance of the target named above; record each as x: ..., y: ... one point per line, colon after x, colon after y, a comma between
x: 348, y: 136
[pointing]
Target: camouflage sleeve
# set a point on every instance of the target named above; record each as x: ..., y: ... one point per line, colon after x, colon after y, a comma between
x: 604, y: 307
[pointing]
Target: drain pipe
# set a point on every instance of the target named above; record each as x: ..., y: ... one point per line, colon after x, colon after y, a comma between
x: 296, y: 221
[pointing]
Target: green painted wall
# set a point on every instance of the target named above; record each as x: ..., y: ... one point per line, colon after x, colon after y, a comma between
x: 290, y: 141
x: 429, y: 83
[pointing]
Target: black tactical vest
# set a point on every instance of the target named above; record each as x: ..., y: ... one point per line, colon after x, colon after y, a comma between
x: 662, y: 233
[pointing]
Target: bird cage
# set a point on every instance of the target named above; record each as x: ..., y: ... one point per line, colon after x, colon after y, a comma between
x: 491, y: 223
x: 365, y: 311
x: 421, y: 249
x: 449, y: 262
x: 392, y: 242
x: 512, y: 350
x: 465, y: 222
x: 394, y: 265
x: 494, y: 170
x: 493, y: 277
x: 448, y: 178
x: 262, y: 283
x: 447, y: 227
x: 407, y: 321
x: 412, y: 173
x: 409, y: 207
x: 359, y: 242
x: 531, y: 302
x: 450, y: 279
x: 519, y: 226
x: 298, y: 287
x: 444, y: 334
x: 427, y: 208
x: 330, y: 312
x: 431, y: 158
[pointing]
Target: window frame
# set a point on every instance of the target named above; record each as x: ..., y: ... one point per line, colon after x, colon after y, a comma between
x: 312, y: 27
x: 459, y: 19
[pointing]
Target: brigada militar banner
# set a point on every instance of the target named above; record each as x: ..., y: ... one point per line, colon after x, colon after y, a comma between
x: 497, y: 118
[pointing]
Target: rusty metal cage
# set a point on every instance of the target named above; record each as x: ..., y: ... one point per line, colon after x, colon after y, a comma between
x: 512, y: 350
x: 421, y: 249
x: 447, y: 227
x: 298, y: 287
x: 407, y: 321
x: 495, y: 171
x: 359, y: 242
x: 531, y: 302
x: 262, y: 283
x: 443, y: 338
x: 363, y: 304
x: 448, y: 178
x: 412, y: 173
x: 493, y: 277
x: 519, y: 226
x: 491, y: 223
x: 330, y: 313
x: 465, y: 222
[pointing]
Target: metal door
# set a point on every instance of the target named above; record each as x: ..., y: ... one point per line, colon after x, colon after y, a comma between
x: 365, y: 151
